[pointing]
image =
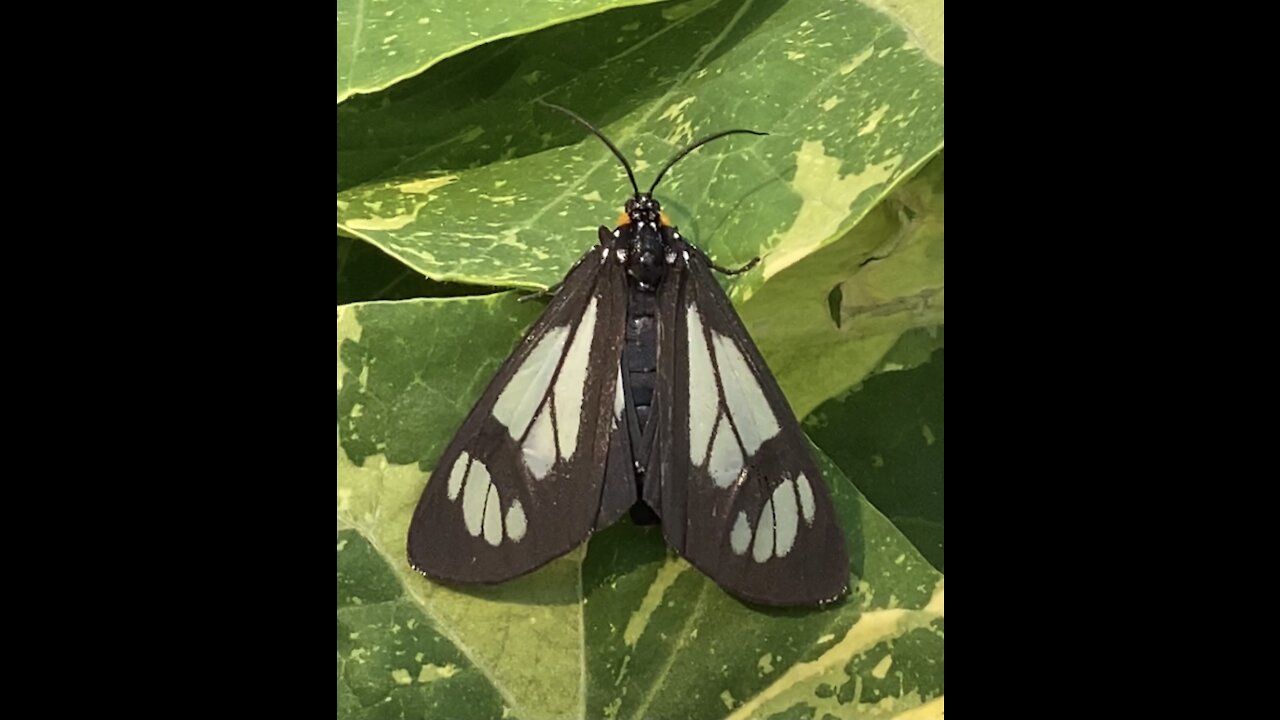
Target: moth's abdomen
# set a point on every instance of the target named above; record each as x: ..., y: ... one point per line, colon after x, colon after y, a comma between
x: 640, y: 357
x: 640, y: 363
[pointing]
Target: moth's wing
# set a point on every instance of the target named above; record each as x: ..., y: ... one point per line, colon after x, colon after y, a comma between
x: 732, y: 474
x: 526, y: 478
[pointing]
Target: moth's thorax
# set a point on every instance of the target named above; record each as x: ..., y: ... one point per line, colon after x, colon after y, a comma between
x: 646, y: 257
x: 647, y: 247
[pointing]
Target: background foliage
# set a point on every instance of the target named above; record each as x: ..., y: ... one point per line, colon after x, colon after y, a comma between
x: 454, y: 187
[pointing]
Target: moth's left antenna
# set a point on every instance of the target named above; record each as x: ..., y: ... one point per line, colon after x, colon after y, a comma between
x: 630, y: 175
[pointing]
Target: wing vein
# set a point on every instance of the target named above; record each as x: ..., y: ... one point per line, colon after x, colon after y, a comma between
x: 551, y: 398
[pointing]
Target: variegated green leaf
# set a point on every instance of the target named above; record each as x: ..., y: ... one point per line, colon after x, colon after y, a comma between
x: 914, y: 348
x: 381, y: 42
x: 888, y: 433
x: 619, y: 629
x: 463, y: 177
x: 832, y: 318
x: 366, y: 273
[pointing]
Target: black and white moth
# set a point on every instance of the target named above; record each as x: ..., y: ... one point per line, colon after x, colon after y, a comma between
x: 638, y: 389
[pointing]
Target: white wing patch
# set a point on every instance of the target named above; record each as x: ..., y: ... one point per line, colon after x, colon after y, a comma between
x: 517, y: 523
x: 539, y: 447
x: 726, y: 458
x: 618, y: 401
x: 778, y: 523
x: 740, y: 538
x: 806, y: 498
x: 703, y: 405
x: 786, y: 519
x: 492, y: 517
x: 747, y: 404
x: 734, y: 405
x: 523, y: 394
x: 525, y: 407
x: 763, y: 547
x: 458, y: 472
x: 474, y: 494
x: 482, y: 505
x: 571, y: 384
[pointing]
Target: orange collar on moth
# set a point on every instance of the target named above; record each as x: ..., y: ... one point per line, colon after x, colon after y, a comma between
x: 625, y: 219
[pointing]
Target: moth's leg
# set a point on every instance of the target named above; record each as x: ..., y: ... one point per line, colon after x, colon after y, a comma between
x: 726, y: 271
x: 723, y: 270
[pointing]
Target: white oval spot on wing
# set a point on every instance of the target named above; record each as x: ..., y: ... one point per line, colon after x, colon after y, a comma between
x: 517, y: 523
x: 493, y: 517
x: 763, y: 548
x: 806, y: 498
x: 473, y: 497
x: 539, y: 449
x: 747, y: 403
x: 571, y: 383
x: 528, y: 385
x: 457, y: 474
x: 618, y: 400
x: 740, y: 538
x: 703, y: 394
x: 786, y: 516
x: 726, y: 459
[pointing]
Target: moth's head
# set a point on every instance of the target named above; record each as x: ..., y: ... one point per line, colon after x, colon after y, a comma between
x: 643, y: 209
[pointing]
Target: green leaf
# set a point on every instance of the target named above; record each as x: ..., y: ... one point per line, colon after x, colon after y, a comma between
x: 619, y: 629
x: 832, y: 318
x: 462, y: 177
x: 888, y: 437
x: 914, y: 348
x: 383, y: 42
x: 366, y: 273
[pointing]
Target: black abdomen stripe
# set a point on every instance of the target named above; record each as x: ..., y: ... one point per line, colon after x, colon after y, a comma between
x: 640, y: 356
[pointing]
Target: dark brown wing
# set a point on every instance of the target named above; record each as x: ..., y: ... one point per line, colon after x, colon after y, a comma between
x: 542, y: 461
x: 732, y: 475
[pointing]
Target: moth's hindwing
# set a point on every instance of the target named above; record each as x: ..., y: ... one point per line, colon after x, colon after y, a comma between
x: 733, y: 476
x: 541, y: 461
